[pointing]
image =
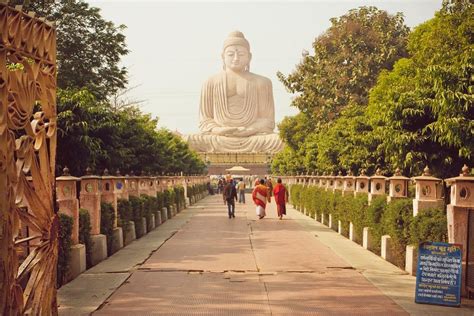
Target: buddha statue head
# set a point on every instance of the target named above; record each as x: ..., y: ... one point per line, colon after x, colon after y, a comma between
x: 236, y: 53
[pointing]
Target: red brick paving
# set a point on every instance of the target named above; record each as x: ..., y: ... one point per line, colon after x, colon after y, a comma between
x: 276, y: 268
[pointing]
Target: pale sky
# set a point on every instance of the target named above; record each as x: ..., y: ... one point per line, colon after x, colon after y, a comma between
x: 175, y: 46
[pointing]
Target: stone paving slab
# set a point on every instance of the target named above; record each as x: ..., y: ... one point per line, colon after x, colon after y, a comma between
x: 181, y: 293
x: 296, y: 273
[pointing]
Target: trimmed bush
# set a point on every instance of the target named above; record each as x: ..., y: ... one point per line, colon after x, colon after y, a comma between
x: 397, y: 218
x: 107, y: 219
x: 374, y: 220
x: 137, y: 215
x: 66, y: 223
x: 85, y: 234
x: 429, y: 225
x: 125, y: 216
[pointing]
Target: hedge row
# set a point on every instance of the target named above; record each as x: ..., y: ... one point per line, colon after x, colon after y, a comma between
x: 394, y: 219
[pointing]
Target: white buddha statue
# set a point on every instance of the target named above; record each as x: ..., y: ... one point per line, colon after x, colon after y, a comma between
x: 237, y: 113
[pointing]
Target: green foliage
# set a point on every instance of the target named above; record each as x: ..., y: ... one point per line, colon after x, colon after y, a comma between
x: 150, y: 208
x: 160, y: 200
x: 137, y: 215
x: 85, y: 234
x: 180, y: 198
x: 397, y: 219
x: 347, y: 59
x: 125, y: 215
x: 93, y: 134
x: 65, y: 230
x: 107, y: 219
x: 374, y: 220
x: 89, y: 47
x: 422, y: 111
x: 429, y: 225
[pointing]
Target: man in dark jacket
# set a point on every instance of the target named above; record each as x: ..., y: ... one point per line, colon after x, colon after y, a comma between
x: 230, y: 196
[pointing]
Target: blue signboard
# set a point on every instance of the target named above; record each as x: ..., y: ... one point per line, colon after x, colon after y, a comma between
x: 438, y: 275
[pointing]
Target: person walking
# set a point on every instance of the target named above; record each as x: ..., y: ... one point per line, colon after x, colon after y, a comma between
x: 281, y: 198
x: 261, y: 196
x: 269, y: 185
x: 230, y: 196
x: 241, y: 189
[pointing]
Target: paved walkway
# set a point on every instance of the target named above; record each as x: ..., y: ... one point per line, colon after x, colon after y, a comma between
x: 201, y: 262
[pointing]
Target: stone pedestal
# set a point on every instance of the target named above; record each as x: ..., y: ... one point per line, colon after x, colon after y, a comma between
x: 367, y: 239
x: 352, y: 234
x: 144, y: 226
x: 110, y: 192
x: 386, y: 248
x: 339, y: 227
x: 130, y: 235
x: 169, y: 212
x: 77, y: 263
x: 99, y: 248
x: 151, y: 224
x: 411, y: 259
x: 117, y: 242
x: 322, y: 218
x: 164, y: 214
x: 157, y: 219
x: 429, y: 192
x: 330, y: 221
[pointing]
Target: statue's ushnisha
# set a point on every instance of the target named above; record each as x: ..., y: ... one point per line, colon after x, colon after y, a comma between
x: 237, y: 113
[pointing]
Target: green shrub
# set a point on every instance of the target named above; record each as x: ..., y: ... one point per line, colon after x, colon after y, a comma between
x: 159, y: 201
x: 125, y: 215
x: 429, y: 225
x: 397, y: 218
x: 107, y: 219
x: 150, y: 207
x: 167, y: 198
x: 295, y: 192
x: 374, y: 215
x: 137, y: 215
x: 66, y: 223
x: 85, y: 234
x: 357, y: 213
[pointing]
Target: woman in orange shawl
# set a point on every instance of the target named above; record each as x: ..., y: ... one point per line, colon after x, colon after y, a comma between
x: 261, y: 196
x: 281, y: 197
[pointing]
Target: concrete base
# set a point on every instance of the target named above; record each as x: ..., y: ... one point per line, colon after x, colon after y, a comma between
x: 151, y: 224
x: 339, y: 227
x: 164, y: 214
x: 157, y: 219
x: 386, y: 248
x: 117, y: 243
x: 144, y: 227
x: 411, y: 259
x: 330, y: 221
x: 367, y: 241
x: 187, y: 201
x: 175, y: 209
x: 77, y: 265
x: 352, y: 234
x: 130, y: 235
x: 322, y: 218
x: 99, y: 248
x: 169, y: 212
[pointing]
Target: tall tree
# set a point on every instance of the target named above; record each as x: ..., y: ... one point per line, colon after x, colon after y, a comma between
x: 347, y: 60
x: 423, y: 110
x: 89, y: 47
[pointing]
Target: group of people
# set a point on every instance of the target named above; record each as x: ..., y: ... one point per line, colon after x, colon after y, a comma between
x: 261, y: 195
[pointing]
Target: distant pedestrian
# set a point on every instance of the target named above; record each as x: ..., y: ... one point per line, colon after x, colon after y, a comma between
x: 269, y: 184
x: 230, y: 196
x: 260, y: 197
x: 241, y: 190
x: 281, y: 198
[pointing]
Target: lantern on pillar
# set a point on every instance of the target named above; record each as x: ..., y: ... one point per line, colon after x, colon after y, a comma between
x: 398, y: 186
x: 362, y: 183
x: 377, y: 185
x: 429, y: 192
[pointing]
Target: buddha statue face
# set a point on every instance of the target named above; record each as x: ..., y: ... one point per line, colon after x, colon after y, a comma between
x: 236, y: 58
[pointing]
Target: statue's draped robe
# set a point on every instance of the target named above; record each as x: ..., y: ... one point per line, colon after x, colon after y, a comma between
x: 255, y: 110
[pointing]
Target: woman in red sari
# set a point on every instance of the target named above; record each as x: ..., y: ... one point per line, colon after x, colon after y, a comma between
x: 261, y: 196
x: 281, y: 197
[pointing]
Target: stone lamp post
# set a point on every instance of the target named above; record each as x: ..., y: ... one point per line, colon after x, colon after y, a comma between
x: 133, y: 183
x: 339, y: 182
x: 398, y: 187
x: 66, y: 195
x: 111, y: 190
x: 429, y: 192
x: 362, y: 183
x: 90, y: 200
x: 377, y: 185
x: 349, y: 183
x: 460, y: 213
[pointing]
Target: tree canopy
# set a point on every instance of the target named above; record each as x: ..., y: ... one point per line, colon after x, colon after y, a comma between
x: 89, y: 47
x: 415, y: 110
